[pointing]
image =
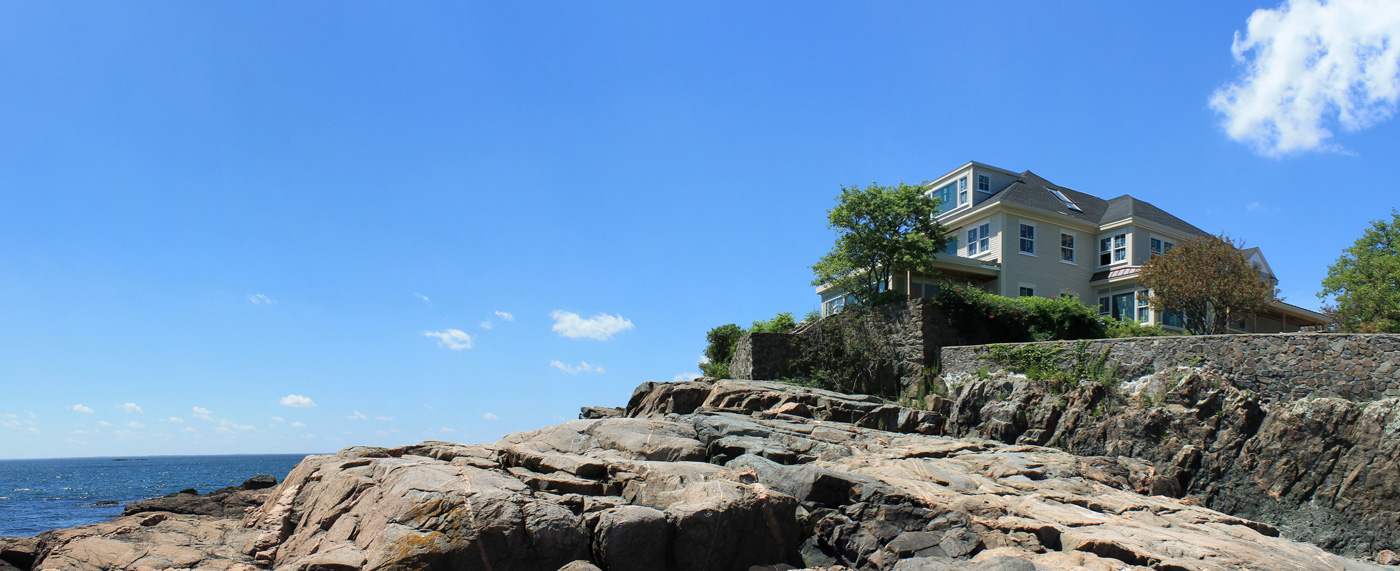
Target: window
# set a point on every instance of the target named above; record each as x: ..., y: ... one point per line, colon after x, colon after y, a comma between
x: 1065, y: 199
x: 1104, y: 306
x: 1113, y: 249
x: 1144, y: 312
x: 984, y: 183
x: 978, y: 239
x: 1027, y: 291
x: 962, y: 191
x: 951, y: 246
x: 1027, y: 239
x: 946, y: 196
x: 1067, y: 248
x: 1160, y: 246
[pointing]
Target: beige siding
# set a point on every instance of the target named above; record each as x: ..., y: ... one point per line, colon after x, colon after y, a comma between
x: 999, y: 181
x: 1044, y: 270
x: 1140, y: 245
x: 994, y: 238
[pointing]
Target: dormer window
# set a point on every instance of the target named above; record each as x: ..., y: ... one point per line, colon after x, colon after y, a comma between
x: 1113, y: 249
x: 962, y: 191
x: 1065, y: 199
x: 984, y: 183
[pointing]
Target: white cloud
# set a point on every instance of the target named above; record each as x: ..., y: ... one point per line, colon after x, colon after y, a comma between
x: 223, y: 430
x: 581, y: 367
x: 134, y: 424
x: 259, y: 299
x: 489, y: 416
x: 1309, y: 65
x: 277, y: 419
x: 81, y: 408
x: 103, y: 423
x: 505, y: 316
x: 427, y: 406
x: 486, y: 324
x: 129, y: 407
x: 685, y: 377
x: 298, y: 424
x: 446, y: 430
x: 383, y: 418
x: 308, y: 436
x: 424, y: 298
x: 176, y: 419
x: 1253, y: 206
x: 454, y: 339
x: 601, y: 327
x: 297, y: 401
x: 357, y: 415
x: 188, y: 429
x: 226, y: 423
x: 202, y: 413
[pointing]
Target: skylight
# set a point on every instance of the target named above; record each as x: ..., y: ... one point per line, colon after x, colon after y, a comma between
x: 1065, y: 199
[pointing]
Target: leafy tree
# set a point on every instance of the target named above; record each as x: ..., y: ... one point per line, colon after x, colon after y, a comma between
x: 880, y: 231
x: 781, y: 323
x: 1209, y: 281
x: 1365, y: 281
x: 720, y: 350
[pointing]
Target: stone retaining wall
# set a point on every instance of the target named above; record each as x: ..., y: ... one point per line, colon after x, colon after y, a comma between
x: 900, y: 340
x: 1276, y: 366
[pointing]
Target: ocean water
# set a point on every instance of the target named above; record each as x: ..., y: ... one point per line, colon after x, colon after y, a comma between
x: 39, y: 495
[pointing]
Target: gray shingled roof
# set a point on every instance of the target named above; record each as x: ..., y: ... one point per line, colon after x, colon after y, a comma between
x: 1033, y: 191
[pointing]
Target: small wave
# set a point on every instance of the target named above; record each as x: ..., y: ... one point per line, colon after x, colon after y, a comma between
x: 22, y: 490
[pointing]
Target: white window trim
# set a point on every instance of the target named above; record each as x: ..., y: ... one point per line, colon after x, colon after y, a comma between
x: 1028, y: 286
x: 1127, y: 249
x: 979, y: 183
x: 1163, y: 239
x: 1074, y: 250
x: 1034, y: 232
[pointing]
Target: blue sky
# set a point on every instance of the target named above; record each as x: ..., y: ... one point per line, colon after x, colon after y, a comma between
x: 232, y: 227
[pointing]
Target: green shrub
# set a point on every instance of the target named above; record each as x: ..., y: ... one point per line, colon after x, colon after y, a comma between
x: 1012, y: 320
x: 720, y: 350
x: 781, y: 323
x: 1116, y: 328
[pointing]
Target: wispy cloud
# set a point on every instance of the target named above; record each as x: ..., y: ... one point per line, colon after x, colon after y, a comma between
x: 298, y: 424
x: 80, y: 408
x: 454, y: 339
x: 103, y: 423
x: 601, y: 327
x: 424, y: 298
x: 581, y: 367
x: 129, y: 407
x: 357, y: 415
x: 446, y: 430
x: 175, y: 419
x: 489, y: 416
x: 226, y: 423
x: 202, y: 413
x: 260, y: 299
x: 486, y: 324
x: 384, y: 418
x: 277, y: 419
x: 134, y: 424
x: 297, y: 401
x: 505, y: 316
x: 1309, y: 65
x: 685, y: 377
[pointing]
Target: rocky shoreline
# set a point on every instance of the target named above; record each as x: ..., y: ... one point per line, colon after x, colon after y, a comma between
x: 999, y: 473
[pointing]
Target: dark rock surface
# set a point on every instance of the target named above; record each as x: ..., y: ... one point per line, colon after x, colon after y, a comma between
x: 740, y: 475
x: 1321, y: 470
x: 229, y: 502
